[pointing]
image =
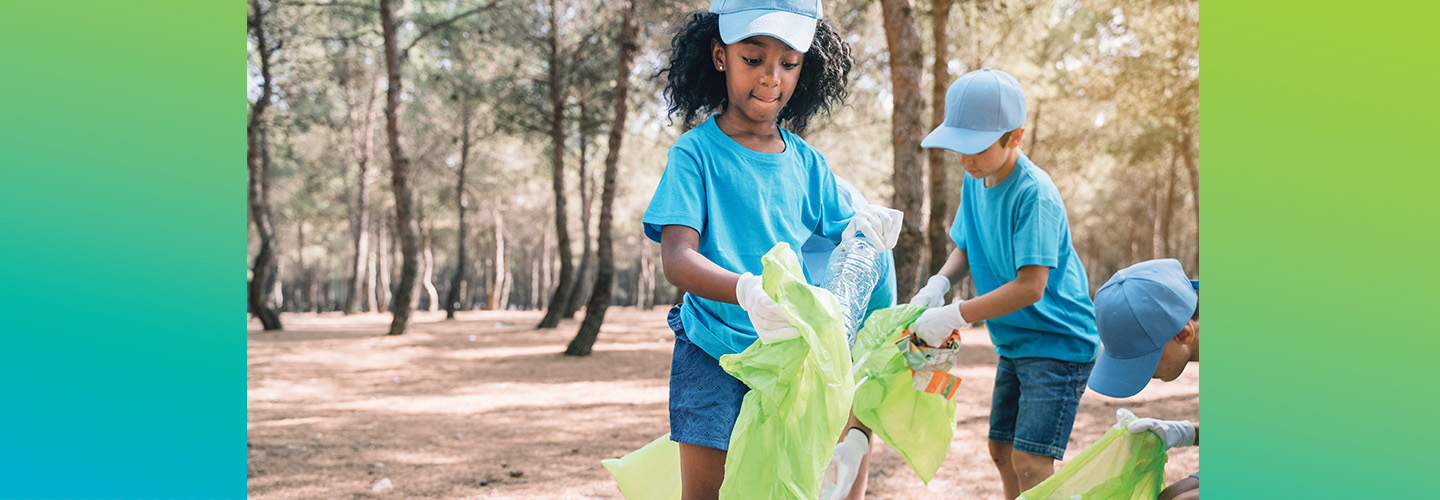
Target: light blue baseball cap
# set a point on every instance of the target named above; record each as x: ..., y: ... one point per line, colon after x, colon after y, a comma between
x: 1137, y: 311
x: 791, y: 21
x: 980, y: 106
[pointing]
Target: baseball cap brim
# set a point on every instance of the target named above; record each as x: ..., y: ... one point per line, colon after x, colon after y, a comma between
x: 959, y: 140
x: 794, y: 29
x: 1122, y: 378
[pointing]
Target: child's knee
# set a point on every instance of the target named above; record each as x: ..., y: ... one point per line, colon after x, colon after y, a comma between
x: 1000, y: 453
x: 1029, y: 466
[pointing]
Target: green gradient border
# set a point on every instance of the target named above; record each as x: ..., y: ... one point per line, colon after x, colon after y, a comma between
x: 122, y: 204
x: 121, y: 225
x: 1320, y: 225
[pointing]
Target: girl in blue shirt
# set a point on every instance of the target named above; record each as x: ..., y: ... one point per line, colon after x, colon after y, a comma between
x: 733, y: 187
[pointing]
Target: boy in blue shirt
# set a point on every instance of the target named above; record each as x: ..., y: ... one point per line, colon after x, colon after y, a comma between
x: 1012, y: 236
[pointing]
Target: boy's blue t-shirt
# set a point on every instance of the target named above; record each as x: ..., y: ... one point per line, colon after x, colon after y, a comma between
x: 742, y: 202
x: 1020, y: 222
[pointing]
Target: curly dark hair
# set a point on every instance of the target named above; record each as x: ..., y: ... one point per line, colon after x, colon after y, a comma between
x: 695, y: 88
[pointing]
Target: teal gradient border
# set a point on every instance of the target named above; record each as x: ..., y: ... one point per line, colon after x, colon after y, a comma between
x: 1319, y: 222
x: 122, y: 212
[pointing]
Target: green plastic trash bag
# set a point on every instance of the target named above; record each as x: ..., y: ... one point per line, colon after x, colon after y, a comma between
x: 918, y: 425
x: 1121, y: 466
x: 800, y: 392
x: 649, y: 473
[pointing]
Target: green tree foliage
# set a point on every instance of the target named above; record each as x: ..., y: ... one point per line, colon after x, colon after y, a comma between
x: 1113, y: 87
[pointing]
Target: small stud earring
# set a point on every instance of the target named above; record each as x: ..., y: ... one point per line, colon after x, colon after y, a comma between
x: 722, y: 68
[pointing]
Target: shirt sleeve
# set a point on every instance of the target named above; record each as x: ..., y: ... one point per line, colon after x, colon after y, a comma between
x: 1039, y: 224
x: 957, y: 226
x: 680, y: 196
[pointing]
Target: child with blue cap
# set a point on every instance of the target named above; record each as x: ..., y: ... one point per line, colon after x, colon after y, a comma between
x: 1012, y: 236
x: 735, y: 186
x: 1148, y: 315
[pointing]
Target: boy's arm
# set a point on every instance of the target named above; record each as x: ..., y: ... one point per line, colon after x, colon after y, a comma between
x: 938, y: 322
x: 956, y: 266
x: 687, y: 269
x: 1027, y: 288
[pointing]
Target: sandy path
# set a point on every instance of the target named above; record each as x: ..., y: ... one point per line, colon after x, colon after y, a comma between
x: 487, y: 407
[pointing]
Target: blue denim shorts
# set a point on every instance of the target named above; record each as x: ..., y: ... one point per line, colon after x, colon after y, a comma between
x: 1034, y: 403
x: 704, y: 399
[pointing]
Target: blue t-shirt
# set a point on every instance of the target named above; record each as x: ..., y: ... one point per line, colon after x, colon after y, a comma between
x: 817, y: 250
x: 1021, y: 222
x: 742, y: 202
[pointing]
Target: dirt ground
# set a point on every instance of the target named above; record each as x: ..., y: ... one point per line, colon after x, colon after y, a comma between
x: 487, y: 407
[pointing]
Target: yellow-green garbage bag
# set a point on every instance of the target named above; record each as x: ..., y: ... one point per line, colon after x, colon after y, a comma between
x: 649, y: 473
x: 1120, y: 466
x: 919, y: 425
x: 800, y: 392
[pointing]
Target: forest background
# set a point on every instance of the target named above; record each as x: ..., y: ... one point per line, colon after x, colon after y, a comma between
x: 450, y: 155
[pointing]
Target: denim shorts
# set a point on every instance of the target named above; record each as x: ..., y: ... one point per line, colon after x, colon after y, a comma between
x: 1034, y: 403
x: 704, y: 399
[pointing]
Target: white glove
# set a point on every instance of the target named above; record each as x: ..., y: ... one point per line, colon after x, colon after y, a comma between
x: 770, y: 321
x: 937, y: 323
x: 933, y: 294
x: 844, y: 465
x: 1175, y: 433
x: 880, y: 225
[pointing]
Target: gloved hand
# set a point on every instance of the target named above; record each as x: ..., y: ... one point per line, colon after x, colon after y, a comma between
x: 933, y: 294
x: 770, y: 322
x: 844, y: 465
x: 1175, y: 433
x: 936, y: 323
x: 880, y: 225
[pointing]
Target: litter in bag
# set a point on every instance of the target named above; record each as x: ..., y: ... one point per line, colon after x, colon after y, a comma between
x: 800, y: 392
x: 916, y: 422
x: 649, y: 473
x: 1120, y: 466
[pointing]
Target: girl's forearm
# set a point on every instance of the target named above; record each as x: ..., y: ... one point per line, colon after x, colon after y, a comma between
x: 685, y: 268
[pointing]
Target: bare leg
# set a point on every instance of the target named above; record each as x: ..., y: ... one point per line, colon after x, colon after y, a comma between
x: 1000, y: 453
x: 857, y: 492
x: 702, y: 469
x: 1184, y: 489
x: 1031, y: 469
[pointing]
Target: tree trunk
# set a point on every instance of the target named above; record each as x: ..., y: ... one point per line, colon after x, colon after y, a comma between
x: 406, y: 224
x: 384, y: 255
x: 584, y: 340
x: 547, y: 267
x: 305, y: 291
x: 557, y: 155
x: 938, y: 231
x: 257, y: 162
x: 587, y: 200
x: 646, y: 288
x: 497, y: 287
x: 1034, y: 130
x: 1168, y: 209
x: 457, y: 282
x: 360, y: 222
x: 1157, y: 229
x: 533, y: 301
x: 903, y: 40
x: 1191, y: 154
x: 427, y: 273
x: 372, y: 279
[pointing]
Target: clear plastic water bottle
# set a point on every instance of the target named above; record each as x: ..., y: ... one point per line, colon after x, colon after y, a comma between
x: 853, y: 272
